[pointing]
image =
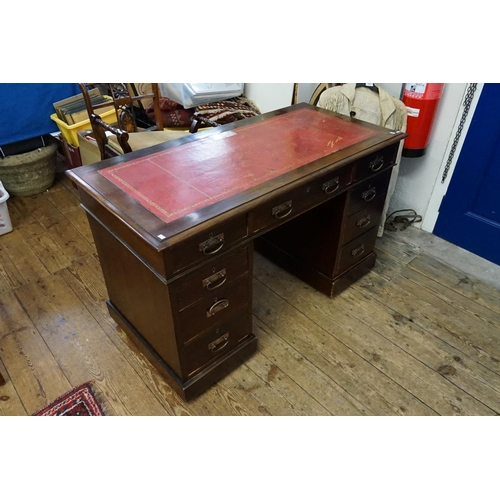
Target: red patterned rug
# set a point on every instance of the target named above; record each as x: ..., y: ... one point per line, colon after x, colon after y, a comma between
x: 81, y: 401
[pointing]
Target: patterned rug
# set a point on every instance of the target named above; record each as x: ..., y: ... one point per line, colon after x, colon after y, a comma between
x: 81, y: 401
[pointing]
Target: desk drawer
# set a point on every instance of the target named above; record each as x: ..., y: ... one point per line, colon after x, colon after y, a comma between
x: 368, y: 191
x: 213, y: 277
x: 362, y: 221
x: 296, y: 201
x: 376, y: 162
x: 214, y: 308
x: 205, y: 244
x: 216, y: 341
x: 356, y: 250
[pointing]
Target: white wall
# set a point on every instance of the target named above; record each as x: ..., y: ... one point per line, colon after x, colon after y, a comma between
x: 269, y: 96
x: 395, y: 89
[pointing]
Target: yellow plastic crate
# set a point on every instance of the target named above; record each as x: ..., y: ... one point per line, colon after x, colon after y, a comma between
x: 70, y: 132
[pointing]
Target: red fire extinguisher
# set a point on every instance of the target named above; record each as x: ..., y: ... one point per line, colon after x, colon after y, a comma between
x: 421, y: 100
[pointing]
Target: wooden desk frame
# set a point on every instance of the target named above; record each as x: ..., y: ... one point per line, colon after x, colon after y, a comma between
x: 182, y: 291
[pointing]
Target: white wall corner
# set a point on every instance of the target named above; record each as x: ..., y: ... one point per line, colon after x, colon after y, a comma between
x: 269, y: 96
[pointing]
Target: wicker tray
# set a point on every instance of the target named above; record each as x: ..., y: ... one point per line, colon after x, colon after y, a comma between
x: 29, y: 173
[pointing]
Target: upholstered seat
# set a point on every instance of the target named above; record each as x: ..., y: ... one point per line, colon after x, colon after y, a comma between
x: 141, y: 140
x: 134, y: 130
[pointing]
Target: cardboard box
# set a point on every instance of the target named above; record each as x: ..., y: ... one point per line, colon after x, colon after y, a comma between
x: 89, y: 151
x: 70, y: 154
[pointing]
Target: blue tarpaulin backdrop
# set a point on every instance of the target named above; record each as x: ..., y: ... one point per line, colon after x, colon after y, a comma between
x: 25, y: 109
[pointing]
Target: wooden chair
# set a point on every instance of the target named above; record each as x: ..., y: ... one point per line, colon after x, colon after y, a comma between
x: 219, y: 113
x: 198, y: 121
x: 134, y: 130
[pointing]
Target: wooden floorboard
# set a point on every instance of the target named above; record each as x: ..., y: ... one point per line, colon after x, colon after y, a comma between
x: 324, y: 334
x: 413, y: 337
x: 456, y: 281
x: 10, y: 402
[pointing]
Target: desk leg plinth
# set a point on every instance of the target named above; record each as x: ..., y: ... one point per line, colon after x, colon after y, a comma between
x: 200, y: 382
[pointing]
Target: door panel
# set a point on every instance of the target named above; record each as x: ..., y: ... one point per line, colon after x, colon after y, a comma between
x: 469, y: 215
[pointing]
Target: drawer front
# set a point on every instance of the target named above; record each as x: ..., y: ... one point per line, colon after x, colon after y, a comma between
x: 215, y: 307
x: 368, y: 191
x: 362, y: 221
x: 376, y: 162
x: 215, y: 276
x: 296, y: 201
x: 356, y: 250
x: 216, y: 341
x: 205, y: 245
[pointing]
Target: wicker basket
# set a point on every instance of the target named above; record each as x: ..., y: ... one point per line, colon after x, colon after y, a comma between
x: 29, y: 173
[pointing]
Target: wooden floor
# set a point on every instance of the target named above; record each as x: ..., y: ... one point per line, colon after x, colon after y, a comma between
x: 414, y: 337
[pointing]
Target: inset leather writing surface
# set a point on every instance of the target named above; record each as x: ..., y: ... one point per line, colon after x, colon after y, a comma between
x: 180, y: 180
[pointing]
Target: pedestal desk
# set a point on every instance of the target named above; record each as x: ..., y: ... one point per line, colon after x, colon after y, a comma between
x: 175, y: 227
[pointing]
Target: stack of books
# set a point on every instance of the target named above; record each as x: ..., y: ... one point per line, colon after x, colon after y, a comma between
x: 73, y: 110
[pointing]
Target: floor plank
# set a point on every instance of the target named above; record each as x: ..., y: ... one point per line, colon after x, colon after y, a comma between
x: 10, y: 276
x: 44, y: 247
x: 299, y: 400
x: 468, y: 286
x: 31, y: 366
x: 21, y: 255
x: 82, y: 349
x: 433, y: 315
x: 62, y: 198
x: 444, y: 360
x: 306, y: 374
x: 10, y: 402
x: 348, y: 361
x: 393, y: 255
x: 467, y: 330
x: 348, y: 367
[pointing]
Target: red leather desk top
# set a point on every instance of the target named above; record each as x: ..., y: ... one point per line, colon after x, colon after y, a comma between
x: 182, y: 179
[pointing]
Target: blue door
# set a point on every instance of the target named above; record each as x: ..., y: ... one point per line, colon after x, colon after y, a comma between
x: 469, y: 215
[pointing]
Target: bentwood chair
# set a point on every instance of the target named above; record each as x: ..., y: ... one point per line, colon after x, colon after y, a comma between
x: 134, y: 129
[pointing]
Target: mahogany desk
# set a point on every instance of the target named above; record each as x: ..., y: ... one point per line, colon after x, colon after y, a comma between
x: 175, y: 227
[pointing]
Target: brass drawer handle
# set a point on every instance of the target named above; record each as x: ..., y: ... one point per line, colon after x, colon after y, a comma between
x: 358, y: 251
x: 283, y: 210
x: 219, y: 344
x: 331, y: 186
x: 365, y: 221
x: 219, y: 306
x: 212, y: 245
x: 369, y: 194
x: 215, y: 281
x: 376, y: 164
